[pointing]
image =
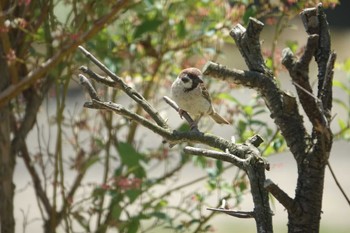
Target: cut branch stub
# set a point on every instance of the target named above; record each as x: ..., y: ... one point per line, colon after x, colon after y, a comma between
x: 315, y: 22
x: 247, y: 41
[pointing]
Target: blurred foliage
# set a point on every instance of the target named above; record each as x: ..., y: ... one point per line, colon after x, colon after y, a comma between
x: 147, y: 45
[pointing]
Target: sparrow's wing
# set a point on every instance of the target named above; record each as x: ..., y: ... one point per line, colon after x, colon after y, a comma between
x: 205, y: 92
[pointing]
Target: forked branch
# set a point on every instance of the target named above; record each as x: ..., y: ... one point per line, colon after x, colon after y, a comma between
x: 245, y: 156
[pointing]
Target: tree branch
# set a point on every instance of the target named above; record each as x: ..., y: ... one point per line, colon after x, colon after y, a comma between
x: 119, y: 83
x: 223, y: 156
x: 315, y: 22
x: 248, y: 43
x: 172, y: 104
x: 238, y: 154
x: 15, y: 89
x: 326, y: 94
x: 299, y: 72
x: 88, y: 87
x: 235, y: 213
x: 279, y: 194
x: 251, y: 79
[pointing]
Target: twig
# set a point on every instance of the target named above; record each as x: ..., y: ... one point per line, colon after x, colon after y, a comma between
x: 88, y: 87
x: 13, y: 90
x: 224, y: 156
x: 337, y: 183
x: 172, y: 104
x: 234, y: 213
x: 119, y: 83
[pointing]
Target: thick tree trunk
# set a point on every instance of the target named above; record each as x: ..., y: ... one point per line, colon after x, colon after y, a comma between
x: 306, y: 213
x: 310, y: 149
x: 7, y: 160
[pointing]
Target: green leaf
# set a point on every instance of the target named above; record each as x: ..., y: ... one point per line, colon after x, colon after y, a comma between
x: 184, y: 127
x: 250, y: 12
x: 129, y: 156
x: 134, y: 225
x: 219, y: 165
x: 346, y: 65
x: 257, y: 122
x: 133, y: 194
x: 341, y: 104
x: 248, y: 110
x: 116, y: 211
x: 150, y: 25
x: 91, y: 161
x: 160, y: 215
x: 242, y: 126
x: 341, y: 85
x: 200, y: 161
x: 260, y: 112
x: 293, y: 45
x: 161, y: 204
x: 342, y: 124
x: 269, y: 63
x: 181, y: 29
x: 226, y: 96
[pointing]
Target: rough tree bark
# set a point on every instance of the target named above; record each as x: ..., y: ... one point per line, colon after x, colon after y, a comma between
x: 310, y: 149
x: 7, y: 160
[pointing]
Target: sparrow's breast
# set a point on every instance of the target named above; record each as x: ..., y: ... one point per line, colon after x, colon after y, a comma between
x: 192, y: 102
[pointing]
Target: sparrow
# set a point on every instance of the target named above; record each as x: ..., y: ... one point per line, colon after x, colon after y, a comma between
x: 190, y: 94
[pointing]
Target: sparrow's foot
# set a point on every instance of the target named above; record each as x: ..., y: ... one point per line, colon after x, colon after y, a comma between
x: 194, y: 126
x: 181, y: 112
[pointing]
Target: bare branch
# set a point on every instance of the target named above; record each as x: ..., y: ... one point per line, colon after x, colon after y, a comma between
x: 172, y: 104
x: 88, y: 87
x: 173, y: 136
x: 105, y: 80
x: 237, y: 154
x: 39, y: 190
x: 250, y: 79
x: 299, y: 72
x: 279, y: 194
x: 315, y: 22
x: 249, y: 45
x: 326, y: 94
x: 119, y: 83
x: 283, y: 107
x: 223, y: 156
x: 16, y: 89
x: 234, y: 213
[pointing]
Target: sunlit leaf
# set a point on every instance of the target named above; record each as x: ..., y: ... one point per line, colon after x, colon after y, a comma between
x: 269, y: 63
x: 341, y: 85
x: 342, y: 124
x: 293, y: 45
x: 346, y: 66
x: 227, y: 96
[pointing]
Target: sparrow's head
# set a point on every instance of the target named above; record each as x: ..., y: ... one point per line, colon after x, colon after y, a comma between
x: 190, y: 78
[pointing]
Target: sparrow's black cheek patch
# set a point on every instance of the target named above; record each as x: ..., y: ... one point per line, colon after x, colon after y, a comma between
x: 196, y: 78
x: 185, y: 79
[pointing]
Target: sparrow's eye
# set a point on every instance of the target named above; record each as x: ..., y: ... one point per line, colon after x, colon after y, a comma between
x: 185, y: 79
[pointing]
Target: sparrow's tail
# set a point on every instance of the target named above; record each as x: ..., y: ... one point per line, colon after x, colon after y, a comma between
x: 219, y: 119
